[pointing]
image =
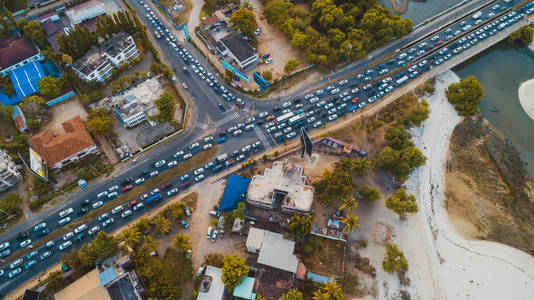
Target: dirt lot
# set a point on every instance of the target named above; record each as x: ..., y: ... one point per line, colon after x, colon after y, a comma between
x: 64, y: 111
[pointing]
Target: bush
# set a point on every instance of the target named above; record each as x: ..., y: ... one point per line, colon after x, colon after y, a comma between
x: 465, y: 95
x: 291, y: 65
x: 267, y: 75
x: 521, y: 37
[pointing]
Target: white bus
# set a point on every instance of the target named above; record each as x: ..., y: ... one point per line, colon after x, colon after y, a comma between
x: 282, y: 118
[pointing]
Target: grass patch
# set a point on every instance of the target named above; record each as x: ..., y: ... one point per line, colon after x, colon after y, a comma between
x: 150, y: 184
x: 327, y: 259
x: 204, y: 12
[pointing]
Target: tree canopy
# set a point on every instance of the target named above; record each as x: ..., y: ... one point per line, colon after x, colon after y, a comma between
x: 50, y: 86
x: 166, y: 106
x: 402, y: 203
x: 10, y: 202
x: 369, y: 193
x: 99, y: 121
x: 291, y: 65
x: 244, y: 21
x: 35, y: 31
x: 336, y: 30
x: 394, y: 260
x: 233, y: 271
x: 292, y: 294
x: 79, y: 40
x: 300, y: 226
x: 333, y: 185
x: 400, y: 162
x: 521, y: 37
x: 330, y: 291
x: 465, y: 95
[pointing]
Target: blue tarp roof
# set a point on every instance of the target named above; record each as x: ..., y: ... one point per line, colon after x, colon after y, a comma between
x: 107, y: 276
x: 318, y: 278
x: 234, y: 192
x: 244, y: 290
x: 25, y: 79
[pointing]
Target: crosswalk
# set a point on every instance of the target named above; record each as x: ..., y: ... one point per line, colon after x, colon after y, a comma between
x: 226, y: 119
x: 202, y: 126
x: 264, y: 140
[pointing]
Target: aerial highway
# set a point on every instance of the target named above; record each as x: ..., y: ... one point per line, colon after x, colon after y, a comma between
x: 239, y: 131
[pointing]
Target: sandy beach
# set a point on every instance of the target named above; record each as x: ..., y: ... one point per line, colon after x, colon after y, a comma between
x: 444, y: 264
x: 526, y: 97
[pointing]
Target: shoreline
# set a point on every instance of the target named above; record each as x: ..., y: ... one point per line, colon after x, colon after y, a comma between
x: 526, y: 97
x: 448, y: 264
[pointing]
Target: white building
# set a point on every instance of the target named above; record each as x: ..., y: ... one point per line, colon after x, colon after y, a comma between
x: 239, y: 50
x: 98, y: 63
x: 272, y: 249
x: 9, y: 175
x: 84, y: 11
x: 211, y: 287
x: 283, y: 183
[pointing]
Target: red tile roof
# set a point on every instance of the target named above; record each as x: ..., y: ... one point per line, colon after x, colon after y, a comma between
x: 210, y: 20
x: 56, y: 148
x: 15, y: 49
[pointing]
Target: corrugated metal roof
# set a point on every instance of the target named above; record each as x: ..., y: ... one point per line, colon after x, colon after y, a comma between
x: 244, y: 290
x: 107, y: 276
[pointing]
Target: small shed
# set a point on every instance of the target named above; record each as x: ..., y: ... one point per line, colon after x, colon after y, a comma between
x: 244, y: 290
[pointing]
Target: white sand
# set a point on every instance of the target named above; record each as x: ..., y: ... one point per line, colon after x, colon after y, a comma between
x: 444, y: 265
x: 526, y: 97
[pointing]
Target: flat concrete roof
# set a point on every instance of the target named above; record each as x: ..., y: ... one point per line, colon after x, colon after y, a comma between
x: 86, y: 288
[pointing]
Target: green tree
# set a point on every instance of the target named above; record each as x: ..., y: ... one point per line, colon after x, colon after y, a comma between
x: 400, y: 162
x: 522, y: 36
x: 6, y: 111
x: 143, y: 225
x: 402, y: 203
x: 398, y: 138
x: 50, y: 86
x: 465, y: 95
x: 345, y: 164
x: 350, y: 222
x: 234, y: 271
x: 419, y: 113
x: 155, y: 68
x: 361, y: 166
x: 67, y: 59
x: 10, y: 202
x: 181, y: 243
x: 394, y: 260
x: 369, y: 193
x: 166, y: 106
x: 291, y: 65
x: 40, y: 187
x: 105, y: 245
x: 243, y: 20
x: 267, y: 75
x: 35, y: 31
x: 131, y: 237
x: 86, y: 173
x: 292, y: 294
x: 149, y: 244
x: 300, y: 226
x: 333, y: 185
x: 161, y: 225
x: 99, y: 122
x: 328, y: 291
x: 349, y: 203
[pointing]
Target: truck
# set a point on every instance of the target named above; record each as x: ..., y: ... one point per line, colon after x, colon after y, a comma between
x: 152, y: 198
x: 222, y: 158
x: 402, y: 80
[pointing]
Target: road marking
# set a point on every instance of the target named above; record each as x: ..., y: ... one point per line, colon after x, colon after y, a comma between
x: 202, y: 126
x: 262, y: 137
x: 226, y: 119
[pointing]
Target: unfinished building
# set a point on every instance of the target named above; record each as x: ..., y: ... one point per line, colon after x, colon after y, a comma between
x: 283, y: 186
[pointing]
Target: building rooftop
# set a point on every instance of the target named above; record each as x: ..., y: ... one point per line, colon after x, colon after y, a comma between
x: 244, y: 289
x: 275, y: 251
x: 15, y: 49
x: 234, y: 192
x: 118, y: 43
x: 212, y: 287
x: 54, y: 149
x: 122, y: 288
x: 238, y: 46
x: 282, y: 178
x: 209, y: 20
x: 92, y: 60
x: 86, y: 288
x: 85, y: 10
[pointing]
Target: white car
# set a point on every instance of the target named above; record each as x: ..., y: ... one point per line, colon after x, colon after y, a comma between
x: 94, y: 230
x: 38, y: 227
x: 126, y: 213
x: 172, y: 164
x: 154, y: 191
x: 97, y: 204
x: 65, y: 245
x: 332, y: 117
x: 207, y: 146
x: 68, y: 236
x: 80, y: 228
x: 139, y: 181
x: 208, y: 139
x: 45, y: 255
x: 286, y: 104
x: 269, y: 60
x: 64, y: 221
x: 154, y: 173
x: 343, y: 82
x: 187, y: 156
x: 199, y: 177
x: 15, y: 272
x: 4, y: 246
x: 113, y: 188
x: 210, y: 230
x: 67, y: 212
x: 16, y: 263
x: 103, y: 216
x: 199, y: 171
x: 194, y: 146
x: 237, y: 132
x: 117, y: 209
x: 25, y: 243
x: 138, y: 206
x: 178, y: 154
x: 159, y: 163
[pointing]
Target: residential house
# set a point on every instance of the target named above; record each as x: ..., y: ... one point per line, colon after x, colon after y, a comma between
x: 272, y: 249
x: 16, y: 51
x: 58, y: 151
x: 211, y: 287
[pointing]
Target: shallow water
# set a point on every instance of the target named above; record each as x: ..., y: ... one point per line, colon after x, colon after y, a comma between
x: 419, y: 11
x: 500, y: 70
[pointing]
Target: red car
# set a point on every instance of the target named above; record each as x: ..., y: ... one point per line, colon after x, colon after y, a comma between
x: 356, y: 99
x: 185, y: 184
x: 166, y: 185
x: 438, y: 43
x: 133, y: 203
x: 127, y: 188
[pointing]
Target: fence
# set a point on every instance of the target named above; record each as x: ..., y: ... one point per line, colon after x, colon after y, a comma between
x: 60, y: 98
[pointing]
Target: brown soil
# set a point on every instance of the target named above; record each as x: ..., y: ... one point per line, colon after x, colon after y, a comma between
x: 489, y: 194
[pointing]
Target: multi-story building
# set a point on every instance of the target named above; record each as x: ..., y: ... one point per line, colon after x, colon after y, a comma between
x: 9, y: 175
x: 98, y: 63
x: 240, y: 51
x: 60, y: 150
x: 16, y: 51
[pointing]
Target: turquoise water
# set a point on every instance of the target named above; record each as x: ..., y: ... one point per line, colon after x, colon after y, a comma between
x: 418, y: 11
x: 500, y: 70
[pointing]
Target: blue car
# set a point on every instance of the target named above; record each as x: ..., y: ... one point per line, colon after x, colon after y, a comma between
x: 184, y: 223
x: 43, y: 232
x: 353, y: 108
x: 222, y: 139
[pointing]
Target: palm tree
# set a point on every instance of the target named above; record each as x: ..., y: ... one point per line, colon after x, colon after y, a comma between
x: 349, y: 204
x: 149, y: 244
x: 320, y: 295
x: 361, y: 166
x: 181, y: 243
x: 131, y: 237
x: 346, y: 164
x: 333, y: 290
x: 161, y: 225
x: 143, y: 225
x: 351, y: 223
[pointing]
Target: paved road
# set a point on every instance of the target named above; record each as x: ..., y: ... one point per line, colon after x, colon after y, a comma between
x: 323, y: 105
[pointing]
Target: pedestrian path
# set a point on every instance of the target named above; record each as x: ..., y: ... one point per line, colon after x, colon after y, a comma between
x: 202, y: 126
x: 226, y: 119
x: 266, y: 143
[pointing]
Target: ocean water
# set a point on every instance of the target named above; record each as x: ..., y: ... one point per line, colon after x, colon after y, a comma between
x: 418, y: 11
x: 500, y: 70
